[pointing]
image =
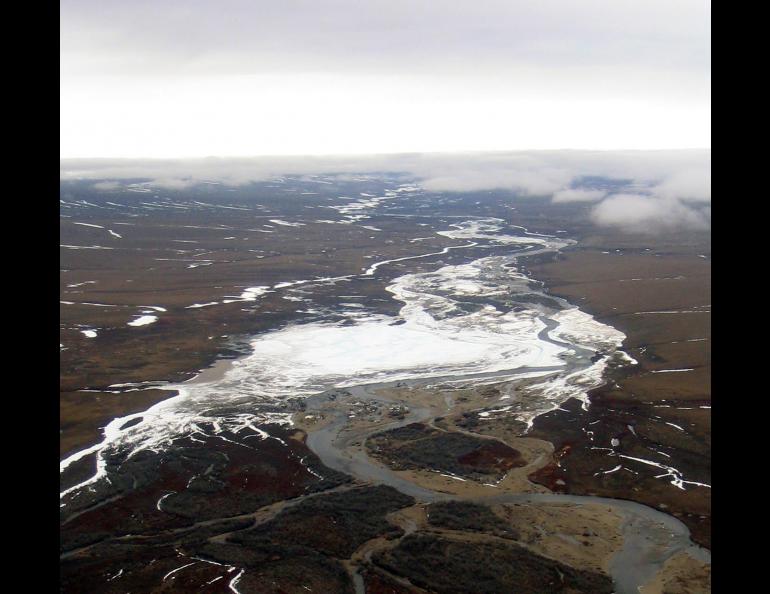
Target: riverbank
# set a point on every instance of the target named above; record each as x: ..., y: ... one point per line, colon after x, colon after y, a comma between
x: 340, y: 424
x: 659, y: 411
x: 439, y: 400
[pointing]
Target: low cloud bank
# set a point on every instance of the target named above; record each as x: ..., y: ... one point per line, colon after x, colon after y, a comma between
x: 650, y: 190
x: 636, y: 212
x: 575, y: 195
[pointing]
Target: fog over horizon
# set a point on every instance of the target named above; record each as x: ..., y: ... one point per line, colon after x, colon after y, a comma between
x: 662, y: 189
x: 463, y: 96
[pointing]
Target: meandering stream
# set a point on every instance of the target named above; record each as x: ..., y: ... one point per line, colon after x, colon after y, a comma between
x: 650, y: 537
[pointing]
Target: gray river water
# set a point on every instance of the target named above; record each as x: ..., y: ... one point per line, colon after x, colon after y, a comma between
x: 650, y: 537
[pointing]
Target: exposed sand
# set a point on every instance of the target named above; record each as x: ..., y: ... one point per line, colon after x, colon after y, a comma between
x: 214, y: 373
x: 433, y: 402
x: 681, y: 574
x: 583, y: 536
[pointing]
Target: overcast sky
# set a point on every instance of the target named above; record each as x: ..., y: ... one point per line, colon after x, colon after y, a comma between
x: 193, y: 78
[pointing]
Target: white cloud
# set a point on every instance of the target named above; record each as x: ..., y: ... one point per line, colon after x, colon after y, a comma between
x: 175, y: 183
x: 644, y: 213
x: 577, y: 195
x: 107, y: 185
x: 663, y: 189
x: 691, y: 184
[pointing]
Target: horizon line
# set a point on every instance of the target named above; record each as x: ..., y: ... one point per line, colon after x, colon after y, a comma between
x: 378, y: 154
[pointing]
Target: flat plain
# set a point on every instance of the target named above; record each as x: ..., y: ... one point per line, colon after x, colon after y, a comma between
x: 586, y: 471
